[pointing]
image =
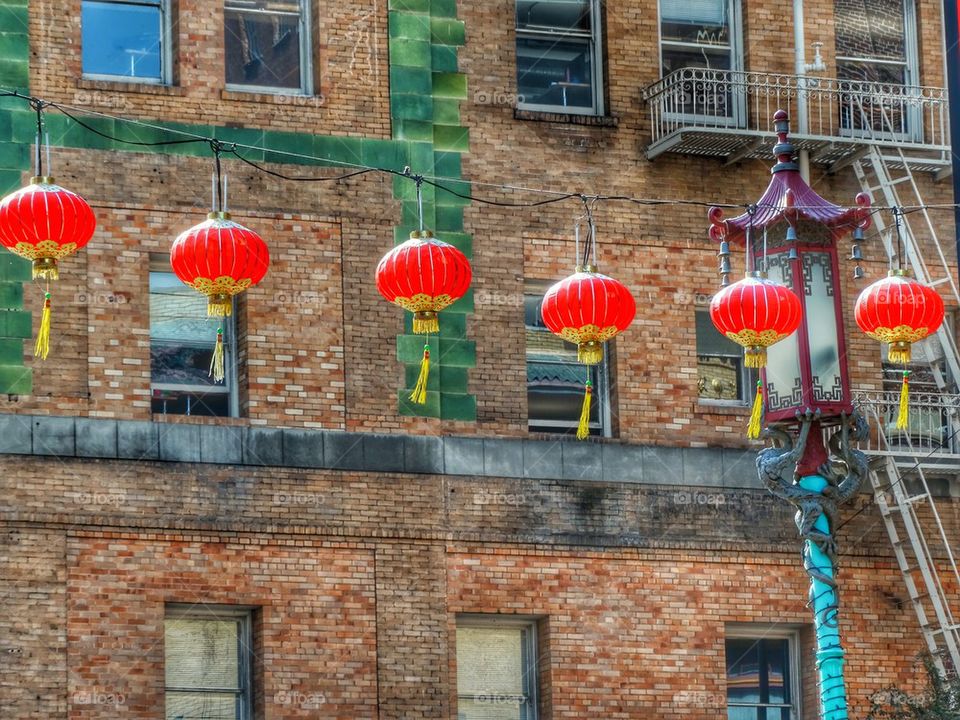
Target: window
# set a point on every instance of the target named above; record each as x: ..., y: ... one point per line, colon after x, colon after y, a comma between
x: 556, y: 380
x: 496, y: 669
x: 762, y: 675
x: 208, y: 657
x: 127, y: 40
x: 704, y: 35
x: 558, y: 56
x: 182, y: 339
x: 721, y: 374
x: 876, y: 44
x: 267, y: 45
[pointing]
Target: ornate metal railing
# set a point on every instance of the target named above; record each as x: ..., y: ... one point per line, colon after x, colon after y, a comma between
x: 818, y: 107
x: 932, y: 432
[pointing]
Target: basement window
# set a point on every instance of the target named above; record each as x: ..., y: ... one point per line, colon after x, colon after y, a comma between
x: 182, y: 339
x: 559, y: 64
x: 208, y: 657
x: 496, y: 668
x: 762, y: 674
x: 267, y: 46
x: 127, y: 41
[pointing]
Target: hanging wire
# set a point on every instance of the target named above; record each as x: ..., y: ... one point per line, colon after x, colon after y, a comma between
x: 897, y: 213
x: 442, y: 184
x: 749, y: 259
x: 38, y: 106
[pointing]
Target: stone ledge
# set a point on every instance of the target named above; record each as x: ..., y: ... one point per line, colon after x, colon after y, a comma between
x: 548, y: 459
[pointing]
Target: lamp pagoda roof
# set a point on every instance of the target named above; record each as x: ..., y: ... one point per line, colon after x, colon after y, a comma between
x: 789, y: 198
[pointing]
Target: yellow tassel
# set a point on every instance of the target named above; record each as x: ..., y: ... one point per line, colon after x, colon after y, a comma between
x: 755, y: 357
x: 903, y: 417
x: 216, y: 362
x: 583, y: 429
x: 590, y: 353
x: 42, y: 347
x: 426, y: 322
x: 899, y: 353
x: 756, y: 415
x: 419, y: 394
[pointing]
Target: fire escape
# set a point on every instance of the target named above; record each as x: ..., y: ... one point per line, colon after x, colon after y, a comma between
x: 895, y: 140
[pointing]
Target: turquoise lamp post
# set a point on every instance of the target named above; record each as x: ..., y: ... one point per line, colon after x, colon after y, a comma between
x: 793, y: 234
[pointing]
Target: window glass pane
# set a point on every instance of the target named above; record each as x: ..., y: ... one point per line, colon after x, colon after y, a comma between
x: 202, y: 653
x: 719, y: 377
x: 709, y: 339
x: 208, y: 706
x: 677, y: 58
x: 705, y: 13
x: 778, y: 664
x: 491, y: 708
x: 871, y: 29
x: 565, y: 15
x: 175, y: 402
x: 182, y: 337
x: 490, y: 661
x: 531, y: 310
x: 555, y: 72
x: 121, y: 39
x: 743, y: 671
x: 262, y: 43
x: 741, y: 713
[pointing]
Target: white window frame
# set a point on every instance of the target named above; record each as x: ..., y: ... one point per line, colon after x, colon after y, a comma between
x: 738, y: 102
x: 601, y: 393
x: 911, y: 75
x: 231, y: 373
x: 748, y: 379
x: 596, y: 52
x: 306, y: 60
x: 532, y: 667
x: 166, y: 46
x: 760, y: 631
x: 244, y: 614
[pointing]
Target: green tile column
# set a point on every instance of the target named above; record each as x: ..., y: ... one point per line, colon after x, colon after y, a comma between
x: 425, y: 95
x: 17, y: 129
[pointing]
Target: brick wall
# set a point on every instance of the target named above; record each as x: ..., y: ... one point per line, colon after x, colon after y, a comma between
x: 359, y: 578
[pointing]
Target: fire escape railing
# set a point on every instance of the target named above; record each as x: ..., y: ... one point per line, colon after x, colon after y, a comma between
x: 731, y: 100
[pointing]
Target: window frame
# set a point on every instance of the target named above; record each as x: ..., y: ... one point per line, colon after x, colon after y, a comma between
x: 911, y: 73
x: 166, y: 46
x: 595, y: 38
x: 230, y: 358
x: 738, y: 104
x: 778, y: 631
x: 748, y: 377
x: 245, y: 655
x: 601, y: 392
x: 531, y: 667
x: 306, y: 59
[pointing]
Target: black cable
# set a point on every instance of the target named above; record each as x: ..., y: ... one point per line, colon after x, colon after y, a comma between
x: 128, y: 142
x: 497, y: 203
x: 302, y: 178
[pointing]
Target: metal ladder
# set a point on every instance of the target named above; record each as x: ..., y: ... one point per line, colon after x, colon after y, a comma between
x: 900, y: 508
x: 874, y: 174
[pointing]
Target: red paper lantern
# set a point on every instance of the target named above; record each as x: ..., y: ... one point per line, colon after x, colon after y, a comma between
x: 588, y: 309
x: 900, y: 311
x: 44, y: 223
x: 756, y: 313
x: 424, y: 275
x: 219, y: 258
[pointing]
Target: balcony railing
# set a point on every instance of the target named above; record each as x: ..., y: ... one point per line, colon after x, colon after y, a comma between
x: 824, y: 112
x: 931, y: 438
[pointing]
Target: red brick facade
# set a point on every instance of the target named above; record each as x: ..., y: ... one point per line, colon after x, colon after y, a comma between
x: 357, y: 576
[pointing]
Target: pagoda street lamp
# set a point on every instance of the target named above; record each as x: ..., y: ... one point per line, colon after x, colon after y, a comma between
x: 790, y: 237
